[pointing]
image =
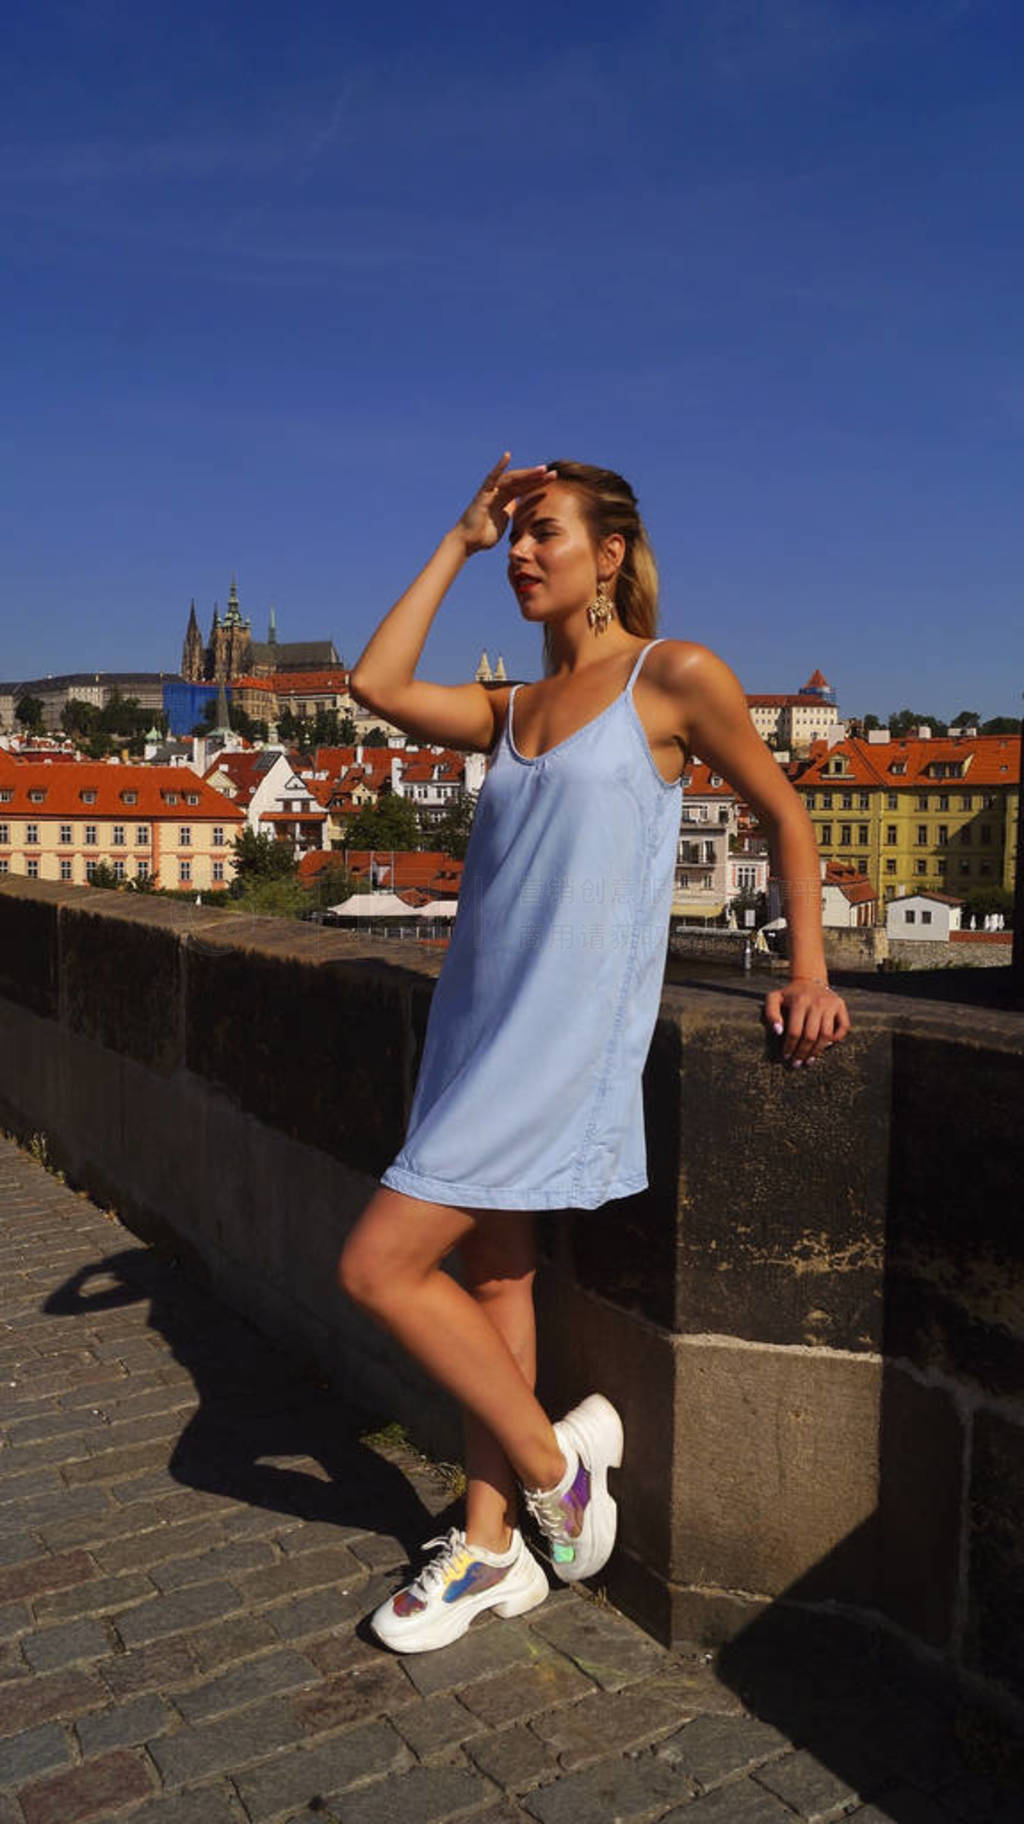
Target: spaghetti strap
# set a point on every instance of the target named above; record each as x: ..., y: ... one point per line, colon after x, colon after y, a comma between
x: 635, y: 673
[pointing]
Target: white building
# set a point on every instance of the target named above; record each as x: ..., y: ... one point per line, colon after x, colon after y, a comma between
x: 924, y: 916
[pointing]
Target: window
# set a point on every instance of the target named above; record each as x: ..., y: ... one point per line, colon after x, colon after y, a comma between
x: 141, y: 835
x: 4, y: 865
x: 862, y: 865
x: 967, y: 801
x: 31, y: 832
x: 218, y: 870
x: 119, y: 869
x: 129, y: 797
x: 184, y: 836
x: 847, y: 801
x: 218, y: 835
x: 926, y: 918
x: 863, y: 801
x: 87, y: 795
x: 6, y: 795
x: 142, y: 870
x: 986, y: 834
x: 90, y: 868
x: 90, y: 835
x: 826, y: 835
x: 985, y: 867
x: 892, y: 801
x: 36, y: 796
x: 5, y: 834
x: 746, y: 878
x: 826, y: 801
x: 192, y: 798
x: 940, y: 864
x: 184, y: 870
x: 845, y: 835
x: 118, y: 837
x: 170, y: 797
x: 943, y: 833
x: 862, y: 834
x: 943, y: 801
x: 965, y: 866
x: 909, y: 917
x: 988, y: 801
x: 965, y: 835
x: 65, y: 868
x: 890, y: 834
x: 922, y: 801
x: 65, y: 832
x: 32, y: 868
x: 922, y: 835
x: 920, y: 867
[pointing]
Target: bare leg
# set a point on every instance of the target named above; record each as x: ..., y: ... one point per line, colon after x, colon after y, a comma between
x: 391, y: 1266
x: 499, y: 1261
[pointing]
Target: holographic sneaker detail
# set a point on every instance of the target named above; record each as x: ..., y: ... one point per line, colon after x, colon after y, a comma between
x: 561, y: 1517
x: 452, y: 1573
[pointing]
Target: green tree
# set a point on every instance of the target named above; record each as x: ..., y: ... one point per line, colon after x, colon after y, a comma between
x: 78, y: 717
x: 103, y: 876
x: 966, y: 718
x: 283, y: 896
x: 375, y: 738
x: 347, y: 732
x: 259, y: 858
x: 333, y: 885
x: 29, y: 712
x: 391, y: 823
x: 1001, y: 725
x: 451, y: 833
x: 906, y: 720
x: 870, y: 721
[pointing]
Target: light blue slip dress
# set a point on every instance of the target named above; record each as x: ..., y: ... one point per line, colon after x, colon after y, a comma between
x: 529, y: 1091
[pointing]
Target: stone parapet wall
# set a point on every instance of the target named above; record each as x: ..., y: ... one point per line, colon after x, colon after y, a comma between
x: 813, y: 1320
x: 922, y: 953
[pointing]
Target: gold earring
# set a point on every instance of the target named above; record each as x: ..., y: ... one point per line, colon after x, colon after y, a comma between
x: 601, y: 609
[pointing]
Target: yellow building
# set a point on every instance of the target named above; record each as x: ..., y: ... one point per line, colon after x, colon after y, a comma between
x: 59, y: 820
x: 935, y: 813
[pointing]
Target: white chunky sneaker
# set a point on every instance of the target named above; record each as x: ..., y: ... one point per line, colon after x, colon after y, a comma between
x: 578, y: 1515
x: 459, y: 1582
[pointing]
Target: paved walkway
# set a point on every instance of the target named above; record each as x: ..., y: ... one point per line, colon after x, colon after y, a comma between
x: 191, y: 1537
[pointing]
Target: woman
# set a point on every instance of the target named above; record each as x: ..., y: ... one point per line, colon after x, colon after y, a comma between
x: 528, y: 1094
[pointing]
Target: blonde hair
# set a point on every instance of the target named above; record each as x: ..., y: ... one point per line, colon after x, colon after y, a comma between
x: 608, y: 504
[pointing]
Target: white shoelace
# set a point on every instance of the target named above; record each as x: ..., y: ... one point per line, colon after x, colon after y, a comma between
x: 546, y: 1507
x: 452, y: 1545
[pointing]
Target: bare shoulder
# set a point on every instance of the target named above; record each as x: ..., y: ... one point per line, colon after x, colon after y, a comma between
x: 685, y: 670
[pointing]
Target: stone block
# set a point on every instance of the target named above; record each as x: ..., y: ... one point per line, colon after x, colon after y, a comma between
x: 121, y: 980
x: 604, y: 1722
x: 995, y: 1621
x: 349, y: 1023
x: 955, y: 1263
x: 34, y: 1752
x: 810, y: 1789
x: 744, y: 1802
x: 353, y: 1696
x: 309, y: 1776
x: 620, y: 1789
x: 88, y: 1791
x: 66, y: 1645
x: 782, y: 1208
x: 29, y: 967
x: 775, y: 1463
x: 127, y: 1726
x: 424, y: 1795
x: 271, y: 1674
x: 716, y: 1748
x: 436, y: 1724
x: 193, y: 1754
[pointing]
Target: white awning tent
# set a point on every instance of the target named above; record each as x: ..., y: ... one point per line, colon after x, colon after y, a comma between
x: 388, y: 905
x: 373, y: 905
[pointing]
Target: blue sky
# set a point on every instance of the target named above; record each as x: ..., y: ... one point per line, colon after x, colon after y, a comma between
x: 282, y: 282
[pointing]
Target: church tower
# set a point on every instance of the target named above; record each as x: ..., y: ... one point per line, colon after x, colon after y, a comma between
x: 193, y: 655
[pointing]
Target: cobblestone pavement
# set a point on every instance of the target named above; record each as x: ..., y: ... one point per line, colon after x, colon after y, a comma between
x: 191, y: 1537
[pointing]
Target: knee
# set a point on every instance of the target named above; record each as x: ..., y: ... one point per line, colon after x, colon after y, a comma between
x: 359, y: 1275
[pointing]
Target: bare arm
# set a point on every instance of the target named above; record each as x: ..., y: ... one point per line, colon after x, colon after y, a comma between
x: 717, y: 726
x: 460, y: 715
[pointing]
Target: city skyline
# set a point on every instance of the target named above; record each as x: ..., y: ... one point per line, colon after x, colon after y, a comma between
x: 275, y: 300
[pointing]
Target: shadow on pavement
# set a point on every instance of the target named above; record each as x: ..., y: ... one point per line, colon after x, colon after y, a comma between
x: 257, y: 1418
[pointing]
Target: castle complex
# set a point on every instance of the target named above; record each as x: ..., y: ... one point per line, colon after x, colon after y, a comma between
x: 231, y: 651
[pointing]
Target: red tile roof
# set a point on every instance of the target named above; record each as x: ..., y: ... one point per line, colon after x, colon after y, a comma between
x: 430, y: 870
x: 986, y: 760
x: 160, y: 792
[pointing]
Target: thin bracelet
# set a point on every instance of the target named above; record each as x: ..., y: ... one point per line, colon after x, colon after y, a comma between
x: 815, y: 981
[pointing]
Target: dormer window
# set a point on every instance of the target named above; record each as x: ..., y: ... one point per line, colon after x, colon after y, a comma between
x: 129, y: 797
x: 87, y: 795
x: 192, y: 798
x: 37, y: 795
